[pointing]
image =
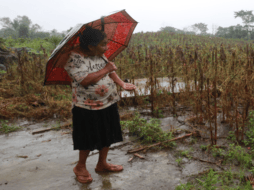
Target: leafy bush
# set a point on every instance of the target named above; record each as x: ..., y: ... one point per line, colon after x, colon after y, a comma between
x: 149, y: 132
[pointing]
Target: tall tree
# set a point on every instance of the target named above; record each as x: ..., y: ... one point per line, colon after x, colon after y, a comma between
x: 24, y: 20
x: 35, y: 28
x: 247, y: 18
x: 171, y: 29
x: 18, y: 27
x: 9, y: 27
x: 202, y: 27
x: 23, y: 31
x: 237, y: 31
x: 22, y: 27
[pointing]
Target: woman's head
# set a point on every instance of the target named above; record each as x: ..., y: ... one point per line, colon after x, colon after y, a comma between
x: 93, y: 40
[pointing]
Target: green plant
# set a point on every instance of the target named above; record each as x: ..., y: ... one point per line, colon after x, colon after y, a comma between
x: 231, y: 136
x: 217, y: 151
x: 2, y: 71
x: 60, y: 97
x: 203, y: 147
x: 193, y: 140
x: 148, y: 132
x: 250, y: 132
x: 7, y: 129
x: 186, y: 154
x: 238, y: 153
x: 57, y: 126
x: 179, y: 161
x: 210, y: 180
x: 159, y: 93
x: 227, y: 177
x: 145, y: 101
x: 159, y: 113
x: 186, y: 186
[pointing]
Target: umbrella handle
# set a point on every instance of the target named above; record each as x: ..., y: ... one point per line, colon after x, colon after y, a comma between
x: 104, y: 60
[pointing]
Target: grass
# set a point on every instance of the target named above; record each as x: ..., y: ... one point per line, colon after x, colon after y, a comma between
x: 57, y: 126
x: 213, y: 180
x: 6, y: 128
x: 179, y: 161
x: 226, y: 180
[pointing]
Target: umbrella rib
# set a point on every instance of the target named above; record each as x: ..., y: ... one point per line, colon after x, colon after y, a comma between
x: 110, y: 23
x: 117, y: 42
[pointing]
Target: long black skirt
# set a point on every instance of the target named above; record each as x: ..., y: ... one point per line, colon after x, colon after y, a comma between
x: 95, y: 129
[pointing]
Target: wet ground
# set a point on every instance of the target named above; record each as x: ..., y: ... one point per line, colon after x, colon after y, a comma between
x: 51, y: 158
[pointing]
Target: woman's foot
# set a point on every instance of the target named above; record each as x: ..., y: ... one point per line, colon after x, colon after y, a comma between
x: 108, y: 168
x: 83, y: 176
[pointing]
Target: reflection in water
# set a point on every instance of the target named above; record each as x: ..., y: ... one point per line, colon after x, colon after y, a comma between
x: 105, y: 179
x: 106, y: 184
x: 140, y: 91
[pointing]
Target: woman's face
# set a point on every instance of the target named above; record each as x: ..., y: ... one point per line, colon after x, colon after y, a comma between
x: 100, y: 49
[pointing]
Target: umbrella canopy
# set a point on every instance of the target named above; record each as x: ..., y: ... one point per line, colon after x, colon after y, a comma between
x: 118, y: 27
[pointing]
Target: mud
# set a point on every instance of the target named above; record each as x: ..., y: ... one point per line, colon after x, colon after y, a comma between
x: 51, y: 158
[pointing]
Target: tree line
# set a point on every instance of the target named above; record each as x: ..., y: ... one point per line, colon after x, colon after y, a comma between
x: 245, y: 31
x: 22, y: 27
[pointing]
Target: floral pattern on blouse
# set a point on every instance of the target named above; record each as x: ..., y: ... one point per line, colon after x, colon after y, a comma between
x: 95, y: 96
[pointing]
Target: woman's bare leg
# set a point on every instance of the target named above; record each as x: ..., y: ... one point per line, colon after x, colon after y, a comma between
x: 80, y: 168
x: 102, y: 162
x: 103, y: 153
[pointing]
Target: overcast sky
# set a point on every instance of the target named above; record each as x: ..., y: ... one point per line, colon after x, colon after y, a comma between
x: 151, y: 15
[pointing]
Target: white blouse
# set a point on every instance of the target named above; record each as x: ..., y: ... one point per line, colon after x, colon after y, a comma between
x: 103, y: 93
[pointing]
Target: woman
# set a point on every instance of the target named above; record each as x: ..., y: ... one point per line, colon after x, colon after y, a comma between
x: 96, y: 123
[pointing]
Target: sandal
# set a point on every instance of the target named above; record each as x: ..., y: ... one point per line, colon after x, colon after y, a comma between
x: 87, y: 180
x: 113, y: 168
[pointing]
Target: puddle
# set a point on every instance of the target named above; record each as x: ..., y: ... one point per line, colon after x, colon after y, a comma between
x: 194, y: 168
x: 165, y: 83
x: 172, y: 123
x: 222, y: 129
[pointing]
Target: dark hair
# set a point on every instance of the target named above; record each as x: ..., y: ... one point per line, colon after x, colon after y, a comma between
x: 91, y: 36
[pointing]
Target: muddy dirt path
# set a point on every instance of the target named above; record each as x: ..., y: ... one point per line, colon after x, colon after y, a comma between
x: 51, y: 158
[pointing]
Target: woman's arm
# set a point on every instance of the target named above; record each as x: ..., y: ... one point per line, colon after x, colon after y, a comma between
x: 93, y: 78
x: 116, y: 79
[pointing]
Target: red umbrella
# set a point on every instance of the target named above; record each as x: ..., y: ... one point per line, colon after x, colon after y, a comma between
x: 118, y: 27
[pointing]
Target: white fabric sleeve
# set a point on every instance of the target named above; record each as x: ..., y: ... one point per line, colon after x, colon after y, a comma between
x: 74, y: 69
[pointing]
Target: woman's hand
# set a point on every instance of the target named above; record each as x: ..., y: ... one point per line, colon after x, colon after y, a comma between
x: 110, y: 66
x: 128, y: 86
